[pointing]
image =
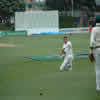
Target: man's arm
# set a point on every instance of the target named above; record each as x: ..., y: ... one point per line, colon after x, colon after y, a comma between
x: 92, y: 45
x: 92, y: 40
x: 62, y: 52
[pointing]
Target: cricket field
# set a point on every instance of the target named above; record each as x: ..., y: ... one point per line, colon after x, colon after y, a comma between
x: 22, y: 79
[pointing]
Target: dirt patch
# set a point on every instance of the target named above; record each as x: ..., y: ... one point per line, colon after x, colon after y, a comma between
x: 10, y: 45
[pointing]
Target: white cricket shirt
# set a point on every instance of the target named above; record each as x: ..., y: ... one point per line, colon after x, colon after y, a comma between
x: 95, y: 37
x: 68, y: 48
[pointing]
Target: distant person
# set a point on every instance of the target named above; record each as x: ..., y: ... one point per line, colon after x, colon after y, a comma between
x: 92, y: 23
x: 90, y: 29
x: 95, y: 51
x: 68, y: 55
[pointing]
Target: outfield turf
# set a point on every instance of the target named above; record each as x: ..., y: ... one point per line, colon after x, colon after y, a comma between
x: 22, y: 79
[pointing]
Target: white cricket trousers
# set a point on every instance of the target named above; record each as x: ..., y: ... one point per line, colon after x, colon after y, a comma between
x: 97, y: 67
x: 67, y: 63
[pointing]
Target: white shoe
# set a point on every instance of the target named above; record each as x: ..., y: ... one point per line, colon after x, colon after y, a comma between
x: 60, y: 70
x: 97, y: 89
x: 70, y: 68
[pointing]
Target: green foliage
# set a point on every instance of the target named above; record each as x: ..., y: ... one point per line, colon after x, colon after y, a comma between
x: 65, y: 21
x: 91, y: 4
x: 4, y: 27
x: 59, y: 4
x: 11, y: 6
x: 55, y: 4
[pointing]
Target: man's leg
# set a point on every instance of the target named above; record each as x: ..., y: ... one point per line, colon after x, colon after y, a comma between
x: 97, y: 68
x: 69, y: 64
x: 98, y: 81
x: 63, y: 65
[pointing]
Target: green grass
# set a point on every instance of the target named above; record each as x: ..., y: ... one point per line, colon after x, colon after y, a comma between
x: 22, y: 80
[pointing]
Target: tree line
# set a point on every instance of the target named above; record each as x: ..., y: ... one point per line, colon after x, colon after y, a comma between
x: 9, y: 7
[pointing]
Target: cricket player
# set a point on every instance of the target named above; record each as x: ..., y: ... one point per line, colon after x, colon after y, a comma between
x: 95, y: 50
x: 68, y: 56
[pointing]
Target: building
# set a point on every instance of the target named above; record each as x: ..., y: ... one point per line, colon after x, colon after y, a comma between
x: 97, y: 7
x: 34, y: 4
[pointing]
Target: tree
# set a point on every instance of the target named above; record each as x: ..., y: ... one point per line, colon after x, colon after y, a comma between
x: 10, y: 7
x: 55, y: 4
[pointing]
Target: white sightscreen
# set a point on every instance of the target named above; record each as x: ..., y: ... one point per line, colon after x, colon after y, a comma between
x: 19, y: 21
x: 37, y: 21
